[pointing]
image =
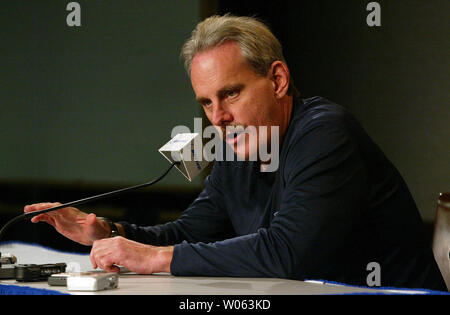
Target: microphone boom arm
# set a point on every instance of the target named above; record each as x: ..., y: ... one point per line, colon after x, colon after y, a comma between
x: 28, y: 215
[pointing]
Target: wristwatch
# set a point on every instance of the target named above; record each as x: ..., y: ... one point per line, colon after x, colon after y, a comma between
x: 114, y: 229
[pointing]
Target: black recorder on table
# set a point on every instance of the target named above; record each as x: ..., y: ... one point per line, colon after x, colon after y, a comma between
x: 27, y: 272
x: 32, y: 272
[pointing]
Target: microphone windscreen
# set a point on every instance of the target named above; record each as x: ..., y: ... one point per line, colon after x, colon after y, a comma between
x: 187, y: 149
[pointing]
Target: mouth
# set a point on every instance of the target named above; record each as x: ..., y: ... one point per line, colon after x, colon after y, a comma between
x: 233, y: 134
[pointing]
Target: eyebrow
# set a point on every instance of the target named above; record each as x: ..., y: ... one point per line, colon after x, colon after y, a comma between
x: 222, y: 92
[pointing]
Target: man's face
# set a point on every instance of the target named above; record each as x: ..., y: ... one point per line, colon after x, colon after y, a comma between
x: 232, y: 94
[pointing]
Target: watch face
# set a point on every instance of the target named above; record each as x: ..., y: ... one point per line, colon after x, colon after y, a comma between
x: 114, y: 231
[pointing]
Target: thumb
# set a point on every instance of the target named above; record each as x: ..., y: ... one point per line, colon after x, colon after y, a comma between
x: 91, y: 219
x: 96, y: 228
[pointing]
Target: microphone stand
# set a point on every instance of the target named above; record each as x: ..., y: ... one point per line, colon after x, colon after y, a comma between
x: 29, y: 215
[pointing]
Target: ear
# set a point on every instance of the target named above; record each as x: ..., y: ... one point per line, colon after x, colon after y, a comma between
x: 279, y: 74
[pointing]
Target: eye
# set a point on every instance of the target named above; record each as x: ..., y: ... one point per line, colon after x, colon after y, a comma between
x: 232, y: 93
x: 206, y: 103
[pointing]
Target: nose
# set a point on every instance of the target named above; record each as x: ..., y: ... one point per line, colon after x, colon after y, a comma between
x: 220, y: 116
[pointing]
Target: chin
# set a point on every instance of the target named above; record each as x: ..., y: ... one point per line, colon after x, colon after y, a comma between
x: 246, y: 154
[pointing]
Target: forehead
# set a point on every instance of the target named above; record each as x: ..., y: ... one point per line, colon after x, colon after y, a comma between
x: 219, y: 66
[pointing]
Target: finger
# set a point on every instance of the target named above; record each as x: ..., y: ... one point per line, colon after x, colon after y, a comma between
x: 43, y: 218
x: 105, y: 263
x: 111, y: 268
x: 38, y: 218
x: 32, y: 208
x: 97, y: 255
x: 40, y: 206
x: 47, y: 205
x: 92, y: 258
x: 102, y: 257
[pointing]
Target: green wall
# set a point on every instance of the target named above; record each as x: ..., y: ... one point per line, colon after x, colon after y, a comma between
x: 93, y: 103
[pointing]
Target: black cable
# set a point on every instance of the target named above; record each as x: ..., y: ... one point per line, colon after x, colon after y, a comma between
x: 28, y: 215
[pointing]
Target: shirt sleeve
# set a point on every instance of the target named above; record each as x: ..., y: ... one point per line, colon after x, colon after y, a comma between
x: 324, y: 183
x: 204, y: 220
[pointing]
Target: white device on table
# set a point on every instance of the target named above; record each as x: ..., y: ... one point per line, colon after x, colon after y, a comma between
x: 86, y: 281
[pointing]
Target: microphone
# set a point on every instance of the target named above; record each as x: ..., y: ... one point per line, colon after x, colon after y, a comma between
x: 183, y: 148
x: 177, y: 145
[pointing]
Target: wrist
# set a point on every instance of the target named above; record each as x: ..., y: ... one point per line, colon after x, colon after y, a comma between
x: 165, y: 255
x: 110, y: 227
x: 105, y: 231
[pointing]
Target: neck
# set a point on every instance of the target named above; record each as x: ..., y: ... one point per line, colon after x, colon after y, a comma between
x: 286, y: 106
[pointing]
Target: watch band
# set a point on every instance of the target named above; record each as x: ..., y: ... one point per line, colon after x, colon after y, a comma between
x: 114, y: 229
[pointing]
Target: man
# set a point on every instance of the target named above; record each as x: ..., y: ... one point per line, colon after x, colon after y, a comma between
x: 334, y: 205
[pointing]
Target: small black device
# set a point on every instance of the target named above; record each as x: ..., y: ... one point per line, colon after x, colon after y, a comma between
x: 27, y: 272
x: 32, y: 272
x: 7, y: 263
x: 7, y: 272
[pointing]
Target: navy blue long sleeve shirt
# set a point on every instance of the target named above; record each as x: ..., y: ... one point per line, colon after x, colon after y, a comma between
x: 334, y: 205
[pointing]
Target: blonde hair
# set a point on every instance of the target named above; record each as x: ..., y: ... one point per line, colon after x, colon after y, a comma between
x: 258, y: 45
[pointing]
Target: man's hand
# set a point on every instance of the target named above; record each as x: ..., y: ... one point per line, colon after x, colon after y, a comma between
x: 110, y: 253
x: 72, y: 223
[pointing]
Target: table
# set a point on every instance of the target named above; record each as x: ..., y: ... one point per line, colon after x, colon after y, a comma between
x: 166, y: 284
